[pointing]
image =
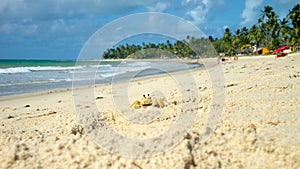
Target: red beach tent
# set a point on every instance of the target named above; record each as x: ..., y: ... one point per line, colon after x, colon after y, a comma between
x: 280, y: 49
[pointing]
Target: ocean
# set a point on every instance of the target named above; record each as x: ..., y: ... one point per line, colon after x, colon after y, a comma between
x: 27, y: 76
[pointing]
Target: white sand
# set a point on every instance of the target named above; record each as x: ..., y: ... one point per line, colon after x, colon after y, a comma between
x: 259, y: 128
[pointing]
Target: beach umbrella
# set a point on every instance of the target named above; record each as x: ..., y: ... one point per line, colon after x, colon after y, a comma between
x: 280, y: 49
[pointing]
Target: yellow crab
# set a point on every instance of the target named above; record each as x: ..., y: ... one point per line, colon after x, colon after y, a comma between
x: 147, y: 101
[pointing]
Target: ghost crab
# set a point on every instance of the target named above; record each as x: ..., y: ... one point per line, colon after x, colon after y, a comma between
x: 147, y: 101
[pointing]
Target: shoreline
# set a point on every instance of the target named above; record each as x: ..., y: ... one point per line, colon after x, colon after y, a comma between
x: 59, y: 90
x: 100, y: 82
x: 190, y: 61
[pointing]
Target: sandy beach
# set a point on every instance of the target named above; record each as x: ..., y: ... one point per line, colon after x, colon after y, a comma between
x: 259, y: 125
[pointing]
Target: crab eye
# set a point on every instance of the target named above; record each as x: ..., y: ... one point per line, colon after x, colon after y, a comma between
x: 148, y: 94
x: 144, y: 95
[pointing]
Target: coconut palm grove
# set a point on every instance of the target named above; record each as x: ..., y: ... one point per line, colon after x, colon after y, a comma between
x: 269, y: 32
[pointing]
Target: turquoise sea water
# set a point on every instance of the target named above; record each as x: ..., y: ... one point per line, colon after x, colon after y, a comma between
x: 25, y: 76
x: 62, y: 63
x: 23, y: 63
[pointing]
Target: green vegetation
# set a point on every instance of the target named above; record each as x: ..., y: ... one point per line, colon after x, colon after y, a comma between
x: 269, y: 32
x: 191, y: 48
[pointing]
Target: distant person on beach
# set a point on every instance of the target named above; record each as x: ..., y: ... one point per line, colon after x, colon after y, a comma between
x: 236, y: 58
x: 223, y: 60
x: 229, y: 59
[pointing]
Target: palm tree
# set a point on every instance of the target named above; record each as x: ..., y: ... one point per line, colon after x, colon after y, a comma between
x: 229, y: 41
x: 268, y: 23
x: 294, y: 17
x: 284, y: 31
x: 255, y: 35
x: 188, y: 37
x: 266, y: 13
x: 238, y: 39
x: 244, y: 35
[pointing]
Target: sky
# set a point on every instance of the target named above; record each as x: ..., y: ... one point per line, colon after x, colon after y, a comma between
x: 58, y: 29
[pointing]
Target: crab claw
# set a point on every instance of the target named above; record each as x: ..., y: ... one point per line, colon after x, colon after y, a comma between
x: 136, y: 104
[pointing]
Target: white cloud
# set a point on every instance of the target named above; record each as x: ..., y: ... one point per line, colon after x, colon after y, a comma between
x: 23, y: 29
x: 198, y: 10
x: 70, y: 8
x: 198, y: 14
x: 251, y: 11
x: 58, y: 25
x: 159, y: 7
x: 30, y: 29
x: 15, y: 14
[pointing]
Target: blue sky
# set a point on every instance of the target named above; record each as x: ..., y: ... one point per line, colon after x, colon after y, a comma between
x: 58, y: 29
